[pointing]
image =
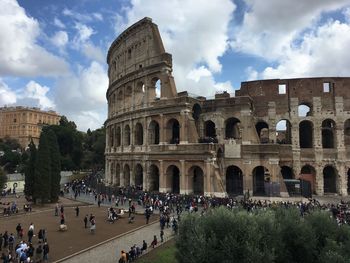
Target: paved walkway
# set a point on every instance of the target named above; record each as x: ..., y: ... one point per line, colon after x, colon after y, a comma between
x: 109, y: 250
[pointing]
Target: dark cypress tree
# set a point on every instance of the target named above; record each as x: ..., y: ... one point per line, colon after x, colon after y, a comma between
x: 55, y: 157
x: 30, y: 171
x: 42, y: 182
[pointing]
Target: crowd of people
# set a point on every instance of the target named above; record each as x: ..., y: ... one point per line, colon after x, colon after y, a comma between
x: 17, y: 248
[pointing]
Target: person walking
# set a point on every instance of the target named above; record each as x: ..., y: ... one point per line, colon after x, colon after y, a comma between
x: 77, y: 211
x: 161, y: 235
x: 85, y: 221
x: 46, y: 250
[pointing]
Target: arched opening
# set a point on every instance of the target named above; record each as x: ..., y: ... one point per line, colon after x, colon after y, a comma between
x: 112, y: 173
x: 117, y: 175
x: 128, y: 98
x: 287, y: 172
x: 120, y: 98
x: 234, y: 180
x: 232, y: 128
x: 196, y: 177
x: 111, y: 136
x: 329, y: 180
x: 304, y: 110
x: 118, y: 136
x: 196, y: 112
x: 308, y: 173
x: 126, y: 175
x: 260, y: 175
x: 347, y: 132
x: 173, y: 179
x: 209, y: 129
x: 138, y: 134
x: 127, y: 135
x: 153, y: 178
x: 158, y: 89
x: 139, y: 176
x: 139, y: 93
x: 328, y: 133
x: 153, y: 133
x: 262, y: 129
x: 306, y: 139
x: 284, y: 132
x: 173, y: 131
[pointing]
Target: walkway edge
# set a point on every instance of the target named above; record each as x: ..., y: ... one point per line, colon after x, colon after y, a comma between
x: 104, y: 242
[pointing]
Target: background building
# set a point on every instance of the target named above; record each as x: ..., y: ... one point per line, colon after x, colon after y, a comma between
x: 23, y: 123
x: 270, y: 131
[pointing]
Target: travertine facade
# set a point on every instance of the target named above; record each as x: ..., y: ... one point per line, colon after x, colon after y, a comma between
x: 269, y: 131
x: 23, y: 123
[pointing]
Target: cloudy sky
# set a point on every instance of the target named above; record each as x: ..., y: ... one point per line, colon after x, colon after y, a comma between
x: 53, y: 53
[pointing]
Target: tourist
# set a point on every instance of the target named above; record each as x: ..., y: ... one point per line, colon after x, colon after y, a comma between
x: 77, y: 211
x: 38, y: 253
x: 85, y: 221
x: 46, y: 251
x: 161, y: 235
x: 93, y: 225
x: 18, y: 229
x: 144, y: 246
x: 56, y: 209
x: 123, y: 257
x: 154, y: 242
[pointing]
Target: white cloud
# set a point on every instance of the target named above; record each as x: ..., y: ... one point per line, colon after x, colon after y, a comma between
x: 84, y: 33
x: 7, y: 96
x: 321, y: 53
x: 60, y: 39
x: 194, y: 32
x: 86, y: 103
x: 251, y: 73
x: 98, y: 16
x: 84, y: 18
x: 35, y: 95
x: 20, y: 54
x: 93, y: 52
x: 57, y: 22
x: 270, y: 27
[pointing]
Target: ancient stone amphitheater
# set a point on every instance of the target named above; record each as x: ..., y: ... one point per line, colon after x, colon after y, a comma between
x: 270, y: 132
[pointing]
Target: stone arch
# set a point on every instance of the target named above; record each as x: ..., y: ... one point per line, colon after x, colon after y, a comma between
x: 153, y: 132
x: 173, y: 131
x: 232, y: 128
x: 234, y: 180
x: 155, y: 89
x: 118, y: 136
x: 117, y: 174
x: 196, y: 180
x: 287, y: 172
x: 112, y: 172
x: 126, y: 175
x: 308, y: 173
x: 262, y: 129
x: 173, y: 179
x: 209, y: 129
x: 284, y: 132
x: 260, y: 175
x: 138, y: 134
x: 127, y: 135
x: 138, y: 176
x: 304, y: 109
x: 347, y: 132
x: 128, y: 97
x: 139, y: 93
x: 153, y: 178
x: 329, y: 179
x: 328, y: 133
x: 306, y: 137
x: 196, y: 113
x: 111, y: 136
x: 120, y: 99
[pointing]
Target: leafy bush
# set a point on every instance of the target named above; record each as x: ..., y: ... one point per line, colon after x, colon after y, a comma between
x: 279, y: 235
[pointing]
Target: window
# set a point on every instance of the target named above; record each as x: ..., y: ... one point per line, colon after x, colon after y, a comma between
x: 129, y: 53
x: 14, y: 120
x: 282, y: 89
x: 326, y: 87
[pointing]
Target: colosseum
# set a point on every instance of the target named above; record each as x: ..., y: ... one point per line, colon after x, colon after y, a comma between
x: 269, y: 132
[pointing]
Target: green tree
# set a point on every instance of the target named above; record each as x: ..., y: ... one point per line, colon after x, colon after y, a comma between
x: 42, y: 182
x: 55, y: 165
x: 3, y: 179
x: 30, y: 170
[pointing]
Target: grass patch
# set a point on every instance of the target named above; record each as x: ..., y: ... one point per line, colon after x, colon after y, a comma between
x: 165, y: 253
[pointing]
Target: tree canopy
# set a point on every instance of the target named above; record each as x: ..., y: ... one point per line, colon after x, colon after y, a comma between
x: 280, y: 235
